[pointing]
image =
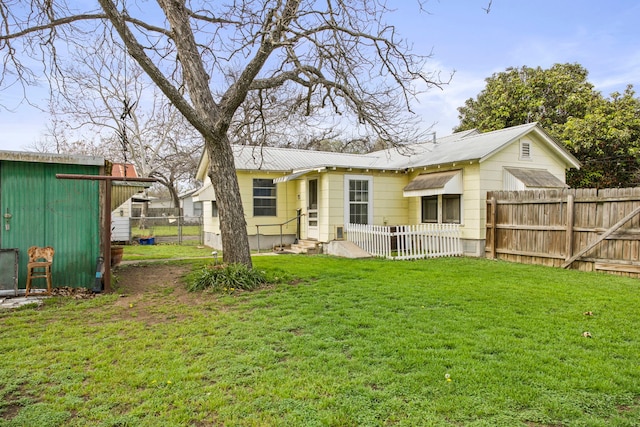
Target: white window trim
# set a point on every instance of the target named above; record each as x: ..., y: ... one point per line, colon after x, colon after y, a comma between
x: 368, y: 178
x: 441, y: 207
x: 253, y: 198
x: 525, y: 154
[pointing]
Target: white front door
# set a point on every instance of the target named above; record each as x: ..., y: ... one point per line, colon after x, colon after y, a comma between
x: 312, y: 209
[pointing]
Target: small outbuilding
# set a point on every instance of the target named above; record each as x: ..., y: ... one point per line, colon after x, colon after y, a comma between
x: 41, y: 210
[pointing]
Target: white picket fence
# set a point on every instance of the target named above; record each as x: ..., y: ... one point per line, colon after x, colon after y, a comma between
x: 407, y: 241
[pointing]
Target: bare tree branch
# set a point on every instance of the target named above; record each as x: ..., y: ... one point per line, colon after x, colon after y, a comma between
x: 332, y: 61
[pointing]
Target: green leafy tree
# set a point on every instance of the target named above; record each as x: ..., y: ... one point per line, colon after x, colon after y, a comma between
x: 607, y: 141
x: 602, y: 133
x: 525, y: 95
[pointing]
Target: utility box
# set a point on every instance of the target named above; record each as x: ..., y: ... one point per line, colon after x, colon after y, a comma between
x: 9, y: 272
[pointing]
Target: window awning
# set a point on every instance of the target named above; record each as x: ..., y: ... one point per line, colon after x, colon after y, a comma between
x: 531, y: 179
x: 296, y: 174
x: 431, y: 184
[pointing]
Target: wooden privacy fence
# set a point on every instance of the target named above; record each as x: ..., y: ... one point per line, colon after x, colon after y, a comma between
x: 407, y: 241
x: 585, y: 229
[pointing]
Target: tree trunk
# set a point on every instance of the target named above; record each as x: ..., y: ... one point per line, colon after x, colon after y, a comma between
x: 174, y: 197
x: 233, y: 226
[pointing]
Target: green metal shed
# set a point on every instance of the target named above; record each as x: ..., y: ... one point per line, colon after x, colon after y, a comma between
x: 39, y: 209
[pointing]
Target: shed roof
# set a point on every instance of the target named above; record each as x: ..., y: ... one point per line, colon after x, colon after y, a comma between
x: 33, y: 157
x: 127, y: 170
x: 429, y: 184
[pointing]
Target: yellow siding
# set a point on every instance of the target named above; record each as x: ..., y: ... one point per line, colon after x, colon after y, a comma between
x: 332, y: 204
x: 492, y: 169
x: 472, y: 200
x: 390, y: 207
x: 541, y: 158
x: 286, y: 206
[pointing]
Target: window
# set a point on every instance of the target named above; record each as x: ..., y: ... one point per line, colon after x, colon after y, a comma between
x: 430, y: 209
x: 313, y: 194
x: 358, y: 201
x: 525, y: 150
x: 264, y: 197
x: 445, y: 208
x: 197, y: 208
x: 451, y: 208
x: 214, y: 209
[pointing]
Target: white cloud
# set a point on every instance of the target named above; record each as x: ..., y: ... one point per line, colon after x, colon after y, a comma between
x: 439, y: 108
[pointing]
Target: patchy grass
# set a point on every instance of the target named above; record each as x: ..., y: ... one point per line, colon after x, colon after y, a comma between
x: 166, y: 251
x: 348, y: 343
x: 166, y: 230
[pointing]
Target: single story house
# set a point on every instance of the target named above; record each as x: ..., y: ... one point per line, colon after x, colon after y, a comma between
x: 191, y: 209
x: 444, y: 180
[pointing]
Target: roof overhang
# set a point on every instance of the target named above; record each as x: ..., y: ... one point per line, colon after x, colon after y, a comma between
x: 535, y: 178
x: 206, y: 192
x: 431, y: 184
x: 570, y: 161
x: 297, y: 174
x: 132, y: 184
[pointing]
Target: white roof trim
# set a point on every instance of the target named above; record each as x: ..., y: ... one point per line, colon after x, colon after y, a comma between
x: 296, y: 175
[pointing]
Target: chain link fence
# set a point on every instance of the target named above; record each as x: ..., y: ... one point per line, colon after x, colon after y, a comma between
x: 166, y: 229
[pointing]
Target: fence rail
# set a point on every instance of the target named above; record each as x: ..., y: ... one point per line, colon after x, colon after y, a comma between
x: 585, y: 229
x: 404, y: 242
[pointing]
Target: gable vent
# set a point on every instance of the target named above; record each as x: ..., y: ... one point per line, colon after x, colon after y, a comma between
x: 525, y: 150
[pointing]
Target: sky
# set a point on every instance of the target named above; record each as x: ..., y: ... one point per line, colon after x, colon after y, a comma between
x: 602, y: 36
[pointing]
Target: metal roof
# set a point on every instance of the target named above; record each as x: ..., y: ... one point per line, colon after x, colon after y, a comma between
x: 33, y: 157
x: 458, y: 147
x: 536, y: 178
x: 127, y: 170
x: 289, y: 159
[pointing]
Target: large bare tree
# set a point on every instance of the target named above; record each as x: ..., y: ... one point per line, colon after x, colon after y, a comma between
x: 107, y: 106
x: 331, y: 57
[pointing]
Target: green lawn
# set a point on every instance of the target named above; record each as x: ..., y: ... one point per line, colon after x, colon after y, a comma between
x: 347, y: 343
x: 166, y: 230
x: 189, y: 249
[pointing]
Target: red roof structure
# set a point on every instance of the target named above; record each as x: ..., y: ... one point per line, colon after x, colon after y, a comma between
x: 125, y: 170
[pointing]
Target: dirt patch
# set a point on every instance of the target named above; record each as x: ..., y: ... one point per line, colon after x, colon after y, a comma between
x: 144, y: 288
x: 138, y: 279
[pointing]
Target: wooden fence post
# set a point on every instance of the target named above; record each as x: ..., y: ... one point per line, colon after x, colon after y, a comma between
x: 569, y: 230
x: 494, y: 217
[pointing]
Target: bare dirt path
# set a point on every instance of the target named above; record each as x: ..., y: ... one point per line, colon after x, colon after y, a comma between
x: 142, y: 288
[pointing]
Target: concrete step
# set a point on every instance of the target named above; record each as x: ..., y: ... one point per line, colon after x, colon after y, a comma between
x: 309, y: 247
